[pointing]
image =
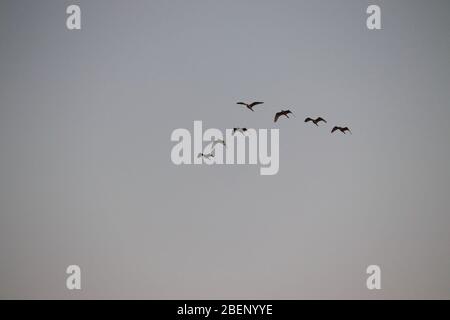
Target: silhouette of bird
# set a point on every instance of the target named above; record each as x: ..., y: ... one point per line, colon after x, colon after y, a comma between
x: 218, y: 141
x: 315, y: 121
x: 342, y: 129
x: 241, y: 130
x: 282, y: 113
x: 250, y: 105
x: 206, y: 156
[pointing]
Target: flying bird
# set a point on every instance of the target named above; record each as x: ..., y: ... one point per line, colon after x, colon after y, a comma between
x: 282, y: 113
x: 218, y: 141
x: 315, y: 121
x: 342, y: 129
x: 206, y: 156
x: 250, y: 105
x: 241, y: 130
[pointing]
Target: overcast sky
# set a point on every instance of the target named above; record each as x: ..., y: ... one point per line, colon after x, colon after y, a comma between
x: 86, y: 176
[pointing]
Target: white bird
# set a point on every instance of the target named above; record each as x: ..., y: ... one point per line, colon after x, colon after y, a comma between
x: 218, y: 141
x: 206, y: 156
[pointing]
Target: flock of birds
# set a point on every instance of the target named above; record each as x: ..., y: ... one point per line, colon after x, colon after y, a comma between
x: 279, y: 114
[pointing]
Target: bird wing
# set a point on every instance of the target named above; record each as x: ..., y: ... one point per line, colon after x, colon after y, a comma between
x: 308, y: 119
x: 242, y: 103
x: 277, y: 115
x: 334, y: 129
x: 209, y: 155
x: 216, y: 142
x: 255, y: 104
x: 321, y: 119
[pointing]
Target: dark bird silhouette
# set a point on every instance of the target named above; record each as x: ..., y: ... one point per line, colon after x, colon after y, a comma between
x: 282, y: 113
x: 342, y: 129
x: 250, y: 105
x: 316, y: 121
x: 241, y: 130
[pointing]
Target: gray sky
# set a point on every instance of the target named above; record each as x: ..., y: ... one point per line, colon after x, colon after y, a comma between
x: 85, y: 170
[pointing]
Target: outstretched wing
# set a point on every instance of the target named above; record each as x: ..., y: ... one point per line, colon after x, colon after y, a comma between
x: 242, y: 103
x: 308, y: 119
x: 251, y: 105
x: 321, y: 119
x: 277, y: 115
x: 334, y: 129
x: 216, y: 142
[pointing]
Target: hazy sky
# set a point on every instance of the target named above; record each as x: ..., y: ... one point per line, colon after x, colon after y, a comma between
x: 86, y: 176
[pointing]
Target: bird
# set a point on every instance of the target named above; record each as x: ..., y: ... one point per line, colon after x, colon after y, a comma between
x: 315, y: 121
x: 218, y: 141
x: 342, y: 129
x: 282, y: 113
x: 206, y: 156
x: 241, y: 130
x: 250, y: 105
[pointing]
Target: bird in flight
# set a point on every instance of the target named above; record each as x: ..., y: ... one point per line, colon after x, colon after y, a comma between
x: 315, y: 121
x: 206, y: 156
x: 250, y: 105
x: 241, y: 130
x: 282, y: 113
x: 218, y: 141
x: 342, y: 129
